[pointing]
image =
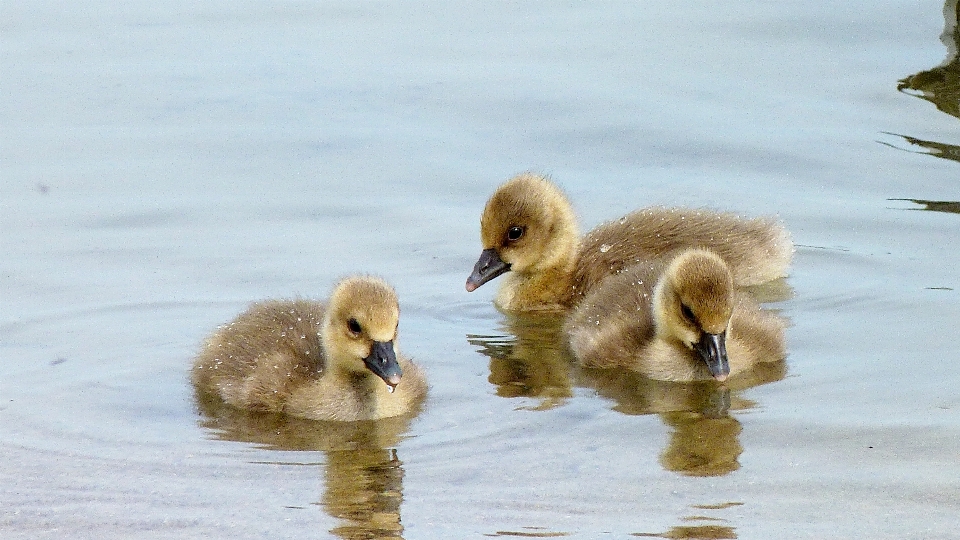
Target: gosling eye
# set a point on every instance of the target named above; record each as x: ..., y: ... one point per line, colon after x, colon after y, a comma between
x: 514, y: 233
x: 688, y: 313
x: 354, y: 327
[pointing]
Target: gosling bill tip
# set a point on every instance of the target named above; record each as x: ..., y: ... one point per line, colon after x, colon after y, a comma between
x: 713, y: 350
x: 383, y: 363
x: 488, y: 266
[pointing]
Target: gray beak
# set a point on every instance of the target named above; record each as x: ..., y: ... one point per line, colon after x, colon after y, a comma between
x: 489, y: 266
x: 383, y: 362
x: 713, y: 351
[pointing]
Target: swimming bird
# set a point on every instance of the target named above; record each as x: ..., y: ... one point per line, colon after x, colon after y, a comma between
x: 337, y: 361
x: 529, y: 234
x: 679, y: 319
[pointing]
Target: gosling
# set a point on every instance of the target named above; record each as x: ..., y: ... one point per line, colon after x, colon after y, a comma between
x: 529, y: 232
x: 675, y: 320
x: 302, y: 358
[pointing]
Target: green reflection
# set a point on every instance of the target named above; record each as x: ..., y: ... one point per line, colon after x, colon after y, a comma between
x: 952, y: 207
x: 363, y: 475
x: 941, y: 85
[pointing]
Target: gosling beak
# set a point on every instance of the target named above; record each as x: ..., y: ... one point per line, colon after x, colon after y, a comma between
x: 713, y: 350
x: 489, y: 266
x: 383, y: 362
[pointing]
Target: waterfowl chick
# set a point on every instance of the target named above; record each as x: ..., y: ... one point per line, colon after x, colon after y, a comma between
x: 336, y: 361
x: 675, y: 320
x: 529, y: 232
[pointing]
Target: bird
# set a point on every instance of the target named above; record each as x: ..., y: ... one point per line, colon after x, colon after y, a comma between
x: 677, y: 319
x: 335, y: 361
x: 529, y: 234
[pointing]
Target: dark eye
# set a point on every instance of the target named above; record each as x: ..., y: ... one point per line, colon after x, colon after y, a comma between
x: 688, y: 313
x: 514, y: 233
x: 354, y: 326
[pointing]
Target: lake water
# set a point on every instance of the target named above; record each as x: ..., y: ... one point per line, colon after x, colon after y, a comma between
x: 164, y: 165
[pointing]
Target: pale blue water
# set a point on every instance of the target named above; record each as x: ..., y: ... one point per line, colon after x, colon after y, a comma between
x: 161, y: 166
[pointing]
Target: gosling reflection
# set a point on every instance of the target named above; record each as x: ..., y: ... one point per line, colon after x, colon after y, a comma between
x: 698, y: 532
x: 710, y: 530
x: 705, y: 435
x: 951, y: 207
x: 529, y: 359
x: 363, y: 477
x: 941, y: 85
x: 701, y: 445
x: 364, y: 488
x: 935, y: 149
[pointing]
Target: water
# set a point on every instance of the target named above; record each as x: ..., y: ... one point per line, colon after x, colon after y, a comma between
x: 164, y: 165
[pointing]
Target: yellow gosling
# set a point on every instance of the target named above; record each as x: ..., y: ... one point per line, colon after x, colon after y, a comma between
x: 529, y: 234
x: 675, y: 320
x: 337, y: 361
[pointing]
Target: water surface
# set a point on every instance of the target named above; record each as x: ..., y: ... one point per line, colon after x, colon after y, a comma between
x: 162, y: 166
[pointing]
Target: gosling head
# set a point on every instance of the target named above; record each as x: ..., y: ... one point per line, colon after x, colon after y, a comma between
x: 527, y: 225
x: 693, y: 303
x: 360, y: 328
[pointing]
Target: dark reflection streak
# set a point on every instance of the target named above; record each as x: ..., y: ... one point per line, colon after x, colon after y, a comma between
x: 708, y: 531
x: 821, y: 247
x: 287, y: 463
x: 951, y: 207
x: 519, y: 534
x: 720, y: 506
x: 702, y: 532
x: 941, y: 85
x: 940, y: 150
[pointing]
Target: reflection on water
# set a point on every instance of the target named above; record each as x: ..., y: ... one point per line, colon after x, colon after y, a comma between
x: 705, y: 437
x: 777, y: 290
x: 529, y: 532
x: 941, y: 85
x: 363, y: 475
x: 701, y: 445
x: 530, y: 359
x: 635, y: 394
x: 940, y: 150
x: 364, y: 487
x: 952, y: 207
x: 705, y: 532
x: 533, y: 361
